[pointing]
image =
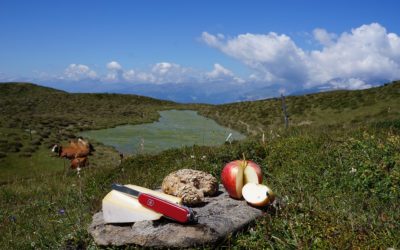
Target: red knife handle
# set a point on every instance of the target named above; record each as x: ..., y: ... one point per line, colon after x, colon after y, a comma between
x: 166, y: 208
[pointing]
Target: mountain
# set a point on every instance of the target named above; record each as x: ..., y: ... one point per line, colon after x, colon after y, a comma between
x: 188, y: 92
x: 211, y: 93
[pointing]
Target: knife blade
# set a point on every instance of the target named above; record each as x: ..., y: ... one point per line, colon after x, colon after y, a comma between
x: 168, y: 209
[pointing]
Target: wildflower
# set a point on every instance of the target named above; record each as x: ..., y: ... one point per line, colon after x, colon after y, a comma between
x: 61, y: 212
x: 192, y: 156
x: 353, y: 170
x: 203, y: 157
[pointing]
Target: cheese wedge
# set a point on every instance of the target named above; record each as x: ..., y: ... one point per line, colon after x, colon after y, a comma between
x: 121, y: 208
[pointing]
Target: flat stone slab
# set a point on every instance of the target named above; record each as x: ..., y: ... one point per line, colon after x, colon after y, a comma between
x: 217, y: 217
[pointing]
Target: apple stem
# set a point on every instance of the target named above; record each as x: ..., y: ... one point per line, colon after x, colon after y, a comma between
x: 244, y: 161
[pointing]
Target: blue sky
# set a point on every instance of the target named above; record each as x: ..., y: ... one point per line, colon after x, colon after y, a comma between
x: 286, y: 46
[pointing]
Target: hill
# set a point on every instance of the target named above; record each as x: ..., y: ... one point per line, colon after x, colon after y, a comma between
x: 32, y: 118
x: 336, y: 170
x: 40, y: 104
x: 329, y: 108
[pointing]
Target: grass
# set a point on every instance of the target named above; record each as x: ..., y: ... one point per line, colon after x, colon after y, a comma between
x: 37, y: 164
x: 324, y: 202
x: 330, y: 108
x: 339, y: 192
x: 32, y: 118
x: 338, y: 183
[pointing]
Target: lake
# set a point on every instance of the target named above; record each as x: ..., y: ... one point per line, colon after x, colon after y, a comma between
x: 174, y: 129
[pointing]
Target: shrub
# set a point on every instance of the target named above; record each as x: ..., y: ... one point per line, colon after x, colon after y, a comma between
x: 388, y: 124
x: 36, y: 142
x: 376, y: 166
x: 14, y: 147
x: 25, y: 154
x: 30, y: 149
x: 45, y: 134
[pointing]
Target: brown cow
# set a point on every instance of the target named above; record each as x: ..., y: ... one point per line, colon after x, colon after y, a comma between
x: 81, y: 144
x: 79, y: 162
x: 78, y: 148
x: 77, y: 152
x: 70, y: 152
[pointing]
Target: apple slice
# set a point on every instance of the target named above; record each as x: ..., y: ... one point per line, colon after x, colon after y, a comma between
x: 252, y: 173
x: 257, y: 194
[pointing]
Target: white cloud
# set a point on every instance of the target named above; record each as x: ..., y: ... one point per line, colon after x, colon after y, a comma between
x: 355, y: 59
x: 351, y: 83
x: 112, y: 76
x: 222, y: 74
x: 275, y: 56
x: 163, y: 68
x: 159, y: 73
x: 166, y: 72
x: 115, y: 72
x: 323, y: 37
x: 129, y: 75
x: 212, y: 40
x: 78, y: 72
x: 368, y: 53
x: 113, y: 65
x: 144, y: 77
x: 365, y: 55
x: 219, y: 71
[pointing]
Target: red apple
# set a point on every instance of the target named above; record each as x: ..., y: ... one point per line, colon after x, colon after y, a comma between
x: 257, y: 194
x: 237, y: 173
x: 232, y: 178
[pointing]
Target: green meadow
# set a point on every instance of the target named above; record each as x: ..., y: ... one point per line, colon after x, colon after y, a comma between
x: 335, y: 170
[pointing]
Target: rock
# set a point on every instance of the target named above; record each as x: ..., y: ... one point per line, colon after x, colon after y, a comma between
x: 219, y: 216
x: 191, y: 185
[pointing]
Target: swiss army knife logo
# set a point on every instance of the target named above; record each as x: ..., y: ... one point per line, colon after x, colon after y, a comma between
x: 150, y: 202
